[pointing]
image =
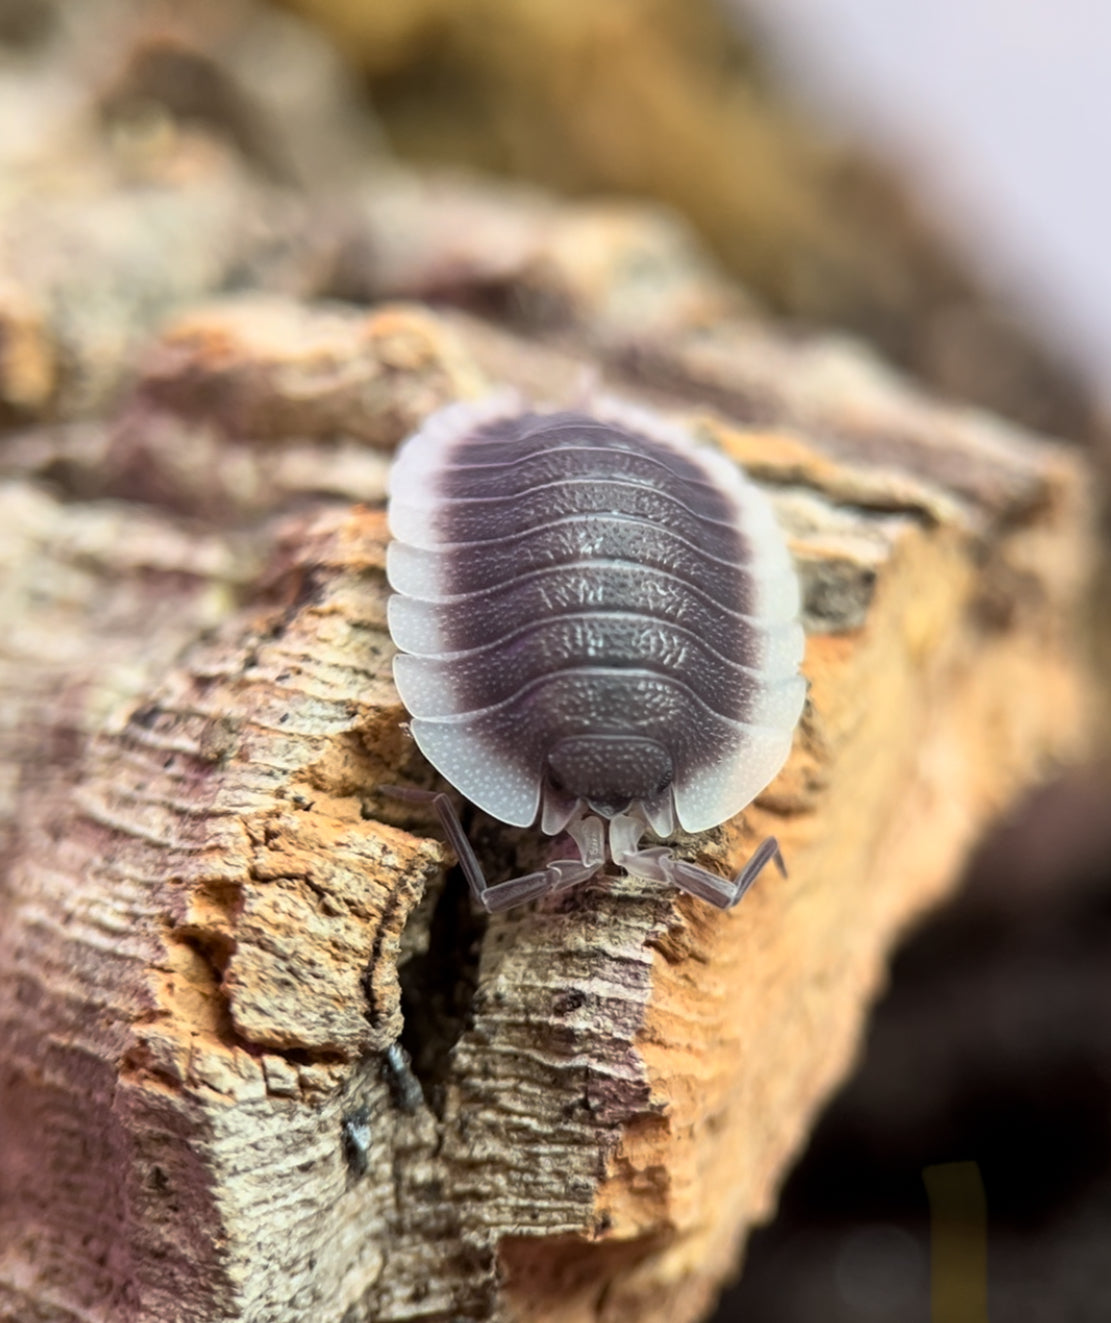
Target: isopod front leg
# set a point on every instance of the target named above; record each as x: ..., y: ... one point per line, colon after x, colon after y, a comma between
x: 720, y: 891
x: 589, y: 835
x: 453, y: 830
x: 498, y: 897
x: 501, y: 895
x: 658, y: 864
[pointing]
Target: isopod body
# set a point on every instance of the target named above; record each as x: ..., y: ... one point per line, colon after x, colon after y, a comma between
x: 597, y: 624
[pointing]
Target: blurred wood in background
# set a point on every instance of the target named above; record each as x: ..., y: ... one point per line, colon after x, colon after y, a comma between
x: 669, y: 99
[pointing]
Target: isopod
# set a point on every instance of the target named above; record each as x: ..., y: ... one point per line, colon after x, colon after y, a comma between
x: 597, y: 624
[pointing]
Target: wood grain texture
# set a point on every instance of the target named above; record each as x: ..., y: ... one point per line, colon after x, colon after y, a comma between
x: 215, y: 924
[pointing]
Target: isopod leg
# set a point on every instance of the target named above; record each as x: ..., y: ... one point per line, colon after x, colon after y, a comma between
x: 453, y: 830
x: 658, y: 864
x: 717, y: 890
x: 559, y: 874
x: 515, y: 891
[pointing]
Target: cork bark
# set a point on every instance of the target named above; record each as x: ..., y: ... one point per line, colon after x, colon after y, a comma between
x: 221, y: 943
x: 216, y: 925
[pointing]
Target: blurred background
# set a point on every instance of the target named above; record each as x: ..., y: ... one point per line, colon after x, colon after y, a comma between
x: 930, y: 178
x: 996, y: 114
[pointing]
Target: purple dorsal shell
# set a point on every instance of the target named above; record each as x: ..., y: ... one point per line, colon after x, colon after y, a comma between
x: 593, y: 613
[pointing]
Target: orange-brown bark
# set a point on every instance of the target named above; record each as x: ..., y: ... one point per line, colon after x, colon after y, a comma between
x: 214, y: 926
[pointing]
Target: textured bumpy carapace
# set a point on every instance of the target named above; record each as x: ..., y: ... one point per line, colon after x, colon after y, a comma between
x: 598, y: 625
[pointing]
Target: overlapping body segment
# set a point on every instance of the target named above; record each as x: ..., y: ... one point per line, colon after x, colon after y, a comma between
x: 566, y: 576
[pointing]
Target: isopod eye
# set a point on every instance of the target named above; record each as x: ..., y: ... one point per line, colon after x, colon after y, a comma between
x: 610, y: 770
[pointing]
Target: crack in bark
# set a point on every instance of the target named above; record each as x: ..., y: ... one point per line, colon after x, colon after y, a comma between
x: 438, y: 987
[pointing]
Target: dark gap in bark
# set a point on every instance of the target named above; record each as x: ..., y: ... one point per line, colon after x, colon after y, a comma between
x: 438, y: 986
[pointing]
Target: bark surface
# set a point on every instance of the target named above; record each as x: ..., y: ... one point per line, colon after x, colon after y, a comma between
x: 214, y: 926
